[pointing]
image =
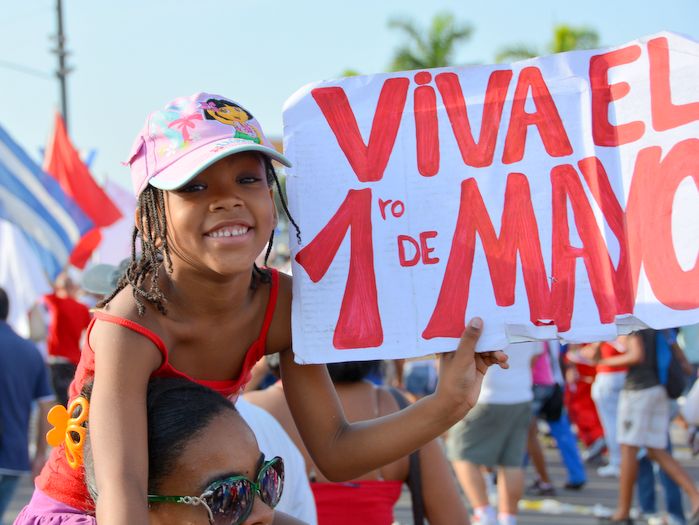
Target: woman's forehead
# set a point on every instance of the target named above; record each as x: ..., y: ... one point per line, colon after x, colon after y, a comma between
x: 225, y: 447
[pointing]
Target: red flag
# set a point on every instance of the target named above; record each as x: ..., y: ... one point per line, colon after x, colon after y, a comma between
x: 63, y: 163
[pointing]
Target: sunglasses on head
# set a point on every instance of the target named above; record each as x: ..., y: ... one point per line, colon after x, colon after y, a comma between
x: 229, y: 501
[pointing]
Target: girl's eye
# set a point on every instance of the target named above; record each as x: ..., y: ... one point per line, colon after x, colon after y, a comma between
x: 192, y: 187
x: 249, y: 179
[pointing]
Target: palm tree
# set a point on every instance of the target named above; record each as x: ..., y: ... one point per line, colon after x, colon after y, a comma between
x: 433, y: 48
x: 569, y: 38
x: 565, y: 38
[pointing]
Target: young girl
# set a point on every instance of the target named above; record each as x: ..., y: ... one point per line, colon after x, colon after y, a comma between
x: 195, y: 305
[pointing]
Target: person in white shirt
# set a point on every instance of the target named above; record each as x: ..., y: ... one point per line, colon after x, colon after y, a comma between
x: 297, y: 498
x: 494, y: 434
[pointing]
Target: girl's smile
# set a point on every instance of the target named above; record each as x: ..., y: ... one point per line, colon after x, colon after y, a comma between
x: 230, y: 232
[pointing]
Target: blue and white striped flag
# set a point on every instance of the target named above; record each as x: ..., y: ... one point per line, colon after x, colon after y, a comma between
x: 32, y: 200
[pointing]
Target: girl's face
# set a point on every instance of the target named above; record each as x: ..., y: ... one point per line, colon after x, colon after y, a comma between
x: 226, y: 447
x: 222, y: 219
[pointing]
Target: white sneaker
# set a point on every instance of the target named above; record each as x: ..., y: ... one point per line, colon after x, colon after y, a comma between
x: 483, y: 520
x: 655, y: 519
x: 608, y: 471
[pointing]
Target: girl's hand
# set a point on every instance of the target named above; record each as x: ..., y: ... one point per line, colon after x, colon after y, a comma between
x: 461, y: 372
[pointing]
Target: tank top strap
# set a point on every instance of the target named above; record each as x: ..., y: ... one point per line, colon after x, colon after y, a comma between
x: 258, y: 348
x: 134, y: 326
x: 271, y: 305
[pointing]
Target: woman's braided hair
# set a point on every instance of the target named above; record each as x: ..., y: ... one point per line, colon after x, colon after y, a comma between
x: 142, y: 272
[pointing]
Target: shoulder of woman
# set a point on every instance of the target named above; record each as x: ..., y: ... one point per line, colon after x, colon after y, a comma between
x: 387, y: 403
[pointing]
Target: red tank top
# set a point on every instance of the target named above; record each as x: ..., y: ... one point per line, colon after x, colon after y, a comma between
x: 57, y: 479
x: 365, y: 502
x: 68, y: 319
x: 607, y: 350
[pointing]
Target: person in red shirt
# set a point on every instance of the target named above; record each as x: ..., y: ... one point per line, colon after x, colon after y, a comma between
x: 606, y: 390
x: 67, y: 319
x: 580, y: 375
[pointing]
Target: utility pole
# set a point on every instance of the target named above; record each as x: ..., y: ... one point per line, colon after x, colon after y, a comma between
x: 63, y: 69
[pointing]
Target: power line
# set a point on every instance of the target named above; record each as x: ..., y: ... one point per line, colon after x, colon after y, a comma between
x: 24, y: 69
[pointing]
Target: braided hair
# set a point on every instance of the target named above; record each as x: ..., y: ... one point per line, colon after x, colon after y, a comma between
x: 151, y: 232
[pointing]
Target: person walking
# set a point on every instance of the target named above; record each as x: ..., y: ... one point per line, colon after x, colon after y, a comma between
x: 605, y: 393
x: 65, y: 320
x: 494, y: 435
x: 548, y: 405
x: 23, y: 380
x: 644, y: 418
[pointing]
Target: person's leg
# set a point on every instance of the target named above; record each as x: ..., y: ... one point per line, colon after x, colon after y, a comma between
x: 568, y: 447
x: 510, y: 489
x: 605, y: 393
x: 675, y: 471
x: 8, y: 485
x: 537, y: 455
x: 627, y: 478
x: 645, y: 487
x: 472, y: 483
x: 673, y: 495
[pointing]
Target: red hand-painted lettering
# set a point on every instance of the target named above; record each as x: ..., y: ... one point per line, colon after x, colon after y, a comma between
x: 359, y: 322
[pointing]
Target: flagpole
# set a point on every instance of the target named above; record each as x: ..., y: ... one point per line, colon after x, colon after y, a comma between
x: 63, y: 70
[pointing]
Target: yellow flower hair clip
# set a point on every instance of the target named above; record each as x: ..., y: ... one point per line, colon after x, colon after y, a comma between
x: 68, y: 427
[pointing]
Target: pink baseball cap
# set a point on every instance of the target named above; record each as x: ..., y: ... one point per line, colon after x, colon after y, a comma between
x: 188, y: 135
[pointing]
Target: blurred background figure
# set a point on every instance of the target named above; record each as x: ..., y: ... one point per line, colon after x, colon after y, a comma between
x: 579, y: 375
x: 644, y: 419
x: 605, y: 392
x: 23, y: 380
x: 417, y: 376
x: 688, y: 339
x: 494, y: 435
x: 548, y: 406
x: 60, y: 319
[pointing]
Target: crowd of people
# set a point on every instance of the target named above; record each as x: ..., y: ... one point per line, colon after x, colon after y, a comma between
x: 188, y: 348
x: 606, y: 404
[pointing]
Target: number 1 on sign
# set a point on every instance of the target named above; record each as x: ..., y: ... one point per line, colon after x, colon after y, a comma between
x: 359, y: 322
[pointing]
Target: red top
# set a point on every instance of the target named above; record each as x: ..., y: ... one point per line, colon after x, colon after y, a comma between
x: 365, y: 502
x: 57, y: 479
x: 606, y: 350
x: 68, y: 319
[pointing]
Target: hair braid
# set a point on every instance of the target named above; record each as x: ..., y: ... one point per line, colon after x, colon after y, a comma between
x: 166, y: 248
x: 282, y: 199
x: 152, y: 232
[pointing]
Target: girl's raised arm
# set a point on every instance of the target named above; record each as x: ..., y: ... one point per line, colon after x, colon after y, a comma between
x: 124, y: 361
x: 346, y: 451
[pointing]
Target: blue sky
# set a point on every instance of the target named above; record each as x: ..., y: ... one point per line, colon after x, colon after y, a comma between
x: 132, y: 56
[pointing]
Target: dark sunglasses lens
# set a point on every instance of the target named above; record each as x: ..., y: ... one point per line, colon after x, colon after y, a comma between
x: 272, y: 483
x: 231, y: 503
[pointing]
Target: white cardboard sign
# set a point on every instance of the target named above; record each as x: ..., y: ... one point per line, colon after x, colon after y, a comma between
x: 554, y: 197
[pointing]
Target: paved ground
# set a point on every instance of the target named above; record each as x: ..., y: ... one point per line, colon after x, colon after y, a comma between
x: 567, y: 508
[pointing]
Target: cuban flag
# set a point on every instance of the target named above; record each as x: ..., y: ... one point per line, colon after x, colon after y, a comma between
x: 32, y: 200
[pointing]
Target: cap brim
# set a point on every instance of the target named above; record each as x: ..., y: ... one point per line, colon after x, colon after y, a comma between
x: 189, y: 166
